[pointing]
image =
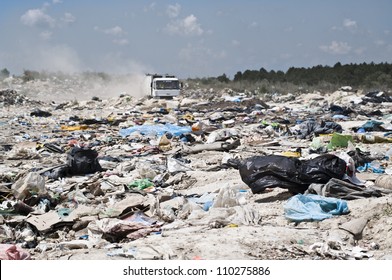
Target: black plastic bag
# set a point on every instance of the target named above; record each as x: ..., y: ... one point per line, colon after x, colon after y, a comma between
x: 83, y: 161
x: 261, y: 172
x: 40, y: 113
x: 377, y: 97
x: 311, y: 128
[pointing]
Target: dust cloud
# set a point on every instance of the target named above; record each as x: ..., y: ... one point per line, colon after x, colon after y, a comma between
x: 60, y: 75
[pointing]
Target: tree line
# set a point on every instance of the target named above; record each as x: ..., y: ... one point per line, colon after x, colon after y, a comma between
x: 364, y: 75
x: 370, y: 76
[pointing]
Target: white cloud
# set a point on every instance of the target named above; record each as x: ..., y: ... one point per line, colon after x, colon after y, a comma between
x: 286, y: 55
x: 121, y: 42
x: 379, y: 43
x: 57, y: 1
x: 37, y: 17
x: 235, y: 43
x: 46, y: 35
x: 150, y: 7
x: 68, y: 18
x: 360, y: 51
x: 186, y: 26
x: 173, y: 10
x: 336, y: 48
x: 349, y: 24
x: 193, y: 53
x: 115, y: 31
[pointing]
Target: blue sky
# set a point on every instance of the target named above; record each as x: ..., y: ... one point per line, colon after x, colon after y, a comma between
x: 191, y: 38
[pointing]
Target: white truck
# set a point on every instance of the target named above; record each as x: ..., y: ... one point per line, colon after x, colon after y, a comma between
x: 161, y: 86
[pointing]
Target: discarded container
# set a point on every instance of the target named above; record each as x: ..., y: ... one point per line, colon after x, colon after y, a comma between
x: 370, y: 139
x: 197, y: 126
x: 228, y: 123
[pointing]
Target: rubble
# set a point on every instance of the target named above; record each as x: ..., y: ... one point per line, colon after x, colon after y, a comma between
x: 137, y: 178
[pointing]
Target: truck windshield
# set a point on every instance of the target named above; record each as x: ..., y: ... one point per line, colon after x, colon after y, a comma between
x: 167, y: 84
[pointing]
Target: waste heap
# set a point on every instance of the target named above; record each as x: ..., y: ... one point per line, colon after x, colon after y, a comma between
x: 211, y: 175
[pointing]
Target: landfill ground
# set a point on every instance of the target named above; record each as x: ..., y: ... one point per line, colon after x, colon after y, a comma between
x: 167, y: 196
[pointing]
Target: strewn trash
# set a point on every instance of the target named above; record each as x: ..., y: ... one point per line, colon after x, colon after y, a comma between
x: 156, y: 130
x: 261, y: 172
x: 311, y: 207
x: 83, y: 161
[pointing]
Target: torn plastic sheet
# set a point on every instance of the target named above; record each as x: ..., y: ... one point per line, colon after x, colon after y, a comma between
x: 311, y: 127
x: 156, y: 129
x: 134, y: 227
x: 343, y: 190
x: 312, y: 207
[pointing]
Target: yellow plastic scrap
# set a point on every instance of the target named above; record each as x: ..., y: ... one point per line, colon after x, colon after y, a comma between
x: 232, y: 226
x: 291, y: 154
x: 39, y: 146
x: 189, y: 117
x: 74, y: 127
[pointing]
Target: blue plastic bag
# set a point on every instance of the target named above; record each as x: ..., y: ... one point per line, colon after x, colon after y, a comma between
x: 312, y: 207
x: 156, y: 129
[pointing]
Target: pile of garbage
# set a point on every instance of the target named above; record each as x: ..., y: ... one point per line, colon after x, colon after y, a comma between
x: 212, y: 176
x: 11, y: 97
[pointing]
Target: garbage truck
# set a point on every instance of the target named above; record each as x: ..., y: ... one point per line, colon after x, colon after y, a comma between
x: 161, y: 86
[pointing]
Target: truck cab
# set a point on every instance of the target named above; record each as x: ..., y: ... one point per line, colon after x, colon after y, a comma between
x: 163, y: 86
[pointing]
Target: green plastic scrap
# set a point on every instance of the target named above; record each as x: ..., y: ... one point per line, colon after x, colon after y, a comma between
x: 141, y: 184
x: 273, y: 124
x: 339, y: 141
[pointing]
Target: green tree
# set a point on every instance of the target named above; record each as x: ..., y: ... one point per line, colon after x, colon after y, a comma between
x: 4, y: 73
x: 238, y: 76
x: 223, y: 78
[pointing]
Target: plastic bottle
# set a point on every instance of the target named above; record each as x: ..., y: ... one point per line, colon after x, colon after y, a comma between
x: 241, y: 196
x: 369, y: 139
